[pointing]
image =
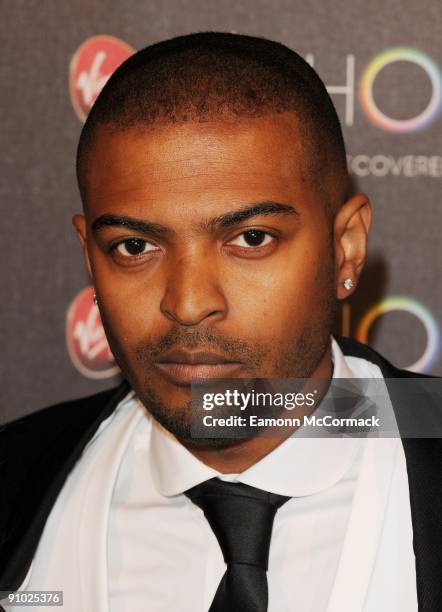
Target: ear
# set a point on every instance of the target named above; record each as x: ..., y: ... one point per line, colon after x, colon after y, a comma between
x: 351, y: 227
x: 79, y: 222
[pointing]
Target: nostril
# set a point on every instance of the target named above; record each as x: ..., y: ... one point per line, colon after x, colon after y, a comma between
x: 190, y: 321
x: 189, y: 304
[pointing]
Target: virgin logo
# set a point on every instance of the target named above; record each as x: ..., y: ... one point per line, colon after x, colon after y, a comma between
x: 91, y: 83
x: 85, y: 338
x: 91, y: 66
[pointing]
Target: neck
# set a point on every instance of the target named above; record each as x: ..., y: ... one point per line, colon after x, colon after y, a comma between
x: 237, y: 458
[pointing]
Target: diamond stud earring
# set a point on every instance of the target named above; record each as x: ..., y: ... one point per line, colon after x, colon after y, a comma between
x: 348, y: 284
x: 95, y: 300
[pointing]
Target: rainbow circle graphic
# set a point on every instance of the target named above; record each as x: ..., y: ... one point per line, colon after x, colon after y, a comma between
x: 432, y: 350
x: 366, y: 90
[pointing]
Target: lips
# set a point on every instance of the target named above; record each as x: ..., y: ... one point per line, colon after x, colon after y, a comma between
x: 183, y: 367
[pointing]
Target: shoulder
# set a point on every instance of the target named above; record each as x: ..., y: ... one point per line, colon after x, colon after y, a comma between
x: 61, y: 410
x: 53, y: 420
x: 53, y: 432
x: 415, y: 399
x: 353, y: 348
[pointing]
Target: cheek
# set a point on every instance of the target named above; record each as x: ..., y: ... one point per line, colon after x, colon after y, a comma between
x: 288, y: 289
x: 130, y: 313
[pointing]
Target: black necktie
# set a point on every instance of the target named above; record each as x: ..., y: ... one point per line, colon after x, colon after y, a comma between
x: 241, y: 517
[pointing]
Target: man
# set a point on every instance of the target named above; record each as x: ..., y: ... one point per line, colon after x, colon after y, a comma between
x: 219, y: 234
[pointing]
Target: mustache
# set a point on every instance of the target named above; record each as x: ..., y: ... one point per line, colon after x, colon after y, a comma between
x: 149, y: 351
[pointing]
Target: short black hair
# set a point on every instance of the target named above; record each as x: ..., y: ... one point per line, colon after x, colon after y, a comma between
x: 207, y: 76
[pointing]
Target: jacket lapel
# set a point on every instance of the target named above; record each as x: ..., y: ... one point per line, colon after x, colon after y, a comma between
x: 37, y: 454
x: 78, y: 522
x: 424, y: 466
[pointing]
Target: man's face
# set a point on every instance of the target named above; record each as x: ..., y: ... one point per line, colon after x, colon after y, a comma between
x: 211, y: 255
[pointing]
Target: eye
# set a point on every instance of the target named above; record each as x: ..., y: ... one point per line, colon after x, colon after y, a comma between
x: 133, y: 247
x: 252, y: 238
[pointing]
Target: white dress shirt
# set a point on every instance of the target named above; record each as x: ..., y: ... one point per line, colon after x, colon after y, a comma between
x: 122, y: 536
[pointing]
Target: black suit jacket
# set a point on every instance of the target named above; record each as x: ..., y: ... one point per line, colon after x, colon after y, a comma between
x: 38, y: 451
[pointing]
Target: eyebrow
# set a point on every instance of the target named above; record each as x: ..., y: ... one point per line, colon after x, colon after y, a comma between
x: 255, y: 210
x: 137, y: 225
x: 222, y: 221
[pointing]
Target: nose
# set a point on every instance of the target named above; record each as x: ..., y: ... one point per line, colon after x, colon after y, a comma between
x: 193, y: 293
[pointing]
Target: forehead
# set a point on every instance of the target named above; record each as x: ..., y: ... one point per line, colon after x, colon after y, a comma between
x: 195, y: 167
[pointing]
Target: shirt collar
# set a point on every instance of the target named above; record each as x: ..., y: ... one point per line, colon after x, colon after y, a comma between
x: 297, y: 467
